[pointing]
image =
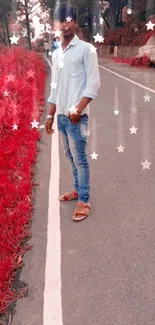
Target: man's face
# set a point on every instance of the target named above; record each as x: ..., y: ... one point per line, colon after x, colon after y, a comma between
x: 67, y: 28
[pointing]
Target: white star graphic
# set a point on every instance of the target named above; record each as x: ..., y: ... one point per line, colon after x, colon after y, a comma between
x: 11, y: 77
x: 147, y: 98
x: 68, y: 19
x: 101, y: 21
x: 53, y: 85
x: 15, y: 127
x: 94, y: 155
x: 146, y: 164
x: 133, y: 130
x: 134, y: 110
x: 30, y: 73
x: 150, y: 25
x: 6, y: 93
x: 136, y: 29
x: 49, y: 53
x: 129, y: 11
x: 57, y: 33
x: 14, y: 39
x: 98, y: 38
x: 93, y: 48
x: 120, y: 148
x: 61, y: 65
x: 87, y: 133
x: 34, y: 124
x: 73, y: 110
x: 116, y: 112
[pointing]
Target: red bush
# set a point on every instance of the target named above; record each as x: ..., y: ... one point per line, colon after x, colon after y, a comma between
x: 143, y: 62
x: 18, y: 151
x: 127, y: 35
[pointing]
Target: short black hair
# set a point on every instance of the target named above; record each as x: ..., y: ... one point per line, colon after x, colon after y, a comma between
x: 65, y: 10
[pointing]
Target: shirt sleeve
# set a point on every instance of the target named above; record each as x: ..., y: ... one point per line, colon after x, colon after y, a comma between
x: 93, y: 82
x: 52, y: 98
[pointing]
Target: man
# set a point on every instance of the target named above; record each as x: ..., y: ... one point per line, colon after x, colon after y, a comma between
x: 76, y: 81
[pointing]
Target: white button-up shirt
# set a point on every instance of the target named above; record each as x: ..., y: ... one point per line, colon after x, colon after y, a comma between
x: 75, y: 74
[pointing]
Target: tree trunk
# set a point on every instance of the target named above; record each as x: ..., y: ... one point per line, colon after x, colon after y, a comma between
x: 7, y: 30
x: 28, y: 26
x: 118, y: 16
x: 90, y: 27
x: 106, y: 21
x: 3, y: 39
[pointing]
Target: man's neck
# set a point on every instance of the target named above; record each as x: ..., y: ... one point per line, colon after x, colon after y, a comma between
x: 66, y: 41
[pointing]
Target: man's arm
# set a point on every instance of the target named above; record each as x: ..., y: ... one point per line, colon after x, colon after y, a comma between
x: 52, y: 106
x: 52, y: 109
x: 93, y: 82
x: 52, y: 97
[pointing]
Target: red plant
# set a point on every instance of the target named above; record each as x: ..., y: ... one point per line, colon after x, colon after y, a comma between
x: 18, y: 152
x: 128, y: 35
x: 139, y: 62
x: 143, y: 62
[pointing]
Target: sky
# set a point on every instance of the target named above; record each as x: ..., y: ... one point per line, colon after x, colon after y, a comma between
x: 38, y: 27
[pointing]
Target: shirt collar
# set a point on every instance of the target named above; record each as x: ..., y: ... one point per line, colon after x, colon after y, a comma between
x: 72, y: 42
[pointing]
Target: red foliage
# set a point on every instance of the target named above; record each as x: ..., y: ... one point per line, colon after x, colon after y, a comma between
x: 121, y: 60
x: 18, y: 151
x: 142, y: 62
x: 143, y: 38
x: 139, y: 62
x: 128, y: 35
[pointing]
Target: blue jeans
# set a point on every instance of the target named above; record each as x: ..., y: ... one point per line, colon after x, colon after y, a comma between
x: 73, y: 137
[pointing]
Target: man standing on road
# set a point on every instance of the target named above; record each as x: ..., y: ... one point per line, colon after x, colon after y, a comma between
x: 75, y: 82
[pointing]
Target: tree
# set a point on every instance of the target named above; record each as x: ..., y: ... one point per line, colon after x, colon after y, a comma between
x: 143, y: 8
x: 113, y: 13
x: 25, y: 12
x: 5, y: 14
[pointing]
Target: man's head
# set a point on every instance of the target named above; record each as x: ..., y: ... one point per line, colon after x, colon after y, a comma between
x: 65, y: 15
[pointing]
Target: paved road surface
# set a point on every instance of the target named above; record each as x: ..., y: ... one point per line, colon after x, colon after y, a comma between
x: 107, y: 260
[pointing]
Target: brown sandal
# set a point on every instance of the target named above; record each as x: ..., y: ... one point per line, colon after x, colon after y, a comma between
x: 81, y: 212
x: 69, y: 196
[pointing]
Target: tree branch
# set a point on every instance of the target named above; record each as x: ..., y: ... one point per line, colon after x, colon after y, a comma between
x: 30, y: 13
x: 2, y: 38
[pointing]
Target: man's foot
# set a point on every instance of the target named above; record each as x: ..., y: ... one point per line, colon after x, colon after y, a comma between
x: 82, y: 211
x: 69, y: 196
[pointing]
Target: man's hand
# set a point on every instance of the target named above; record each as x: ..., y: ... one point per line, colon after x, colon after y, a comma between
x: 48, y: 126
x: 74, y: 118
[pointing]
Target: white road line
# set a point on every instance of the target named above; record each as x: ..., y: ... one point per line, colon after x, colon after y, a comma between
x: 94, y: 136
x: 127, y: 79
x: 52, y: 312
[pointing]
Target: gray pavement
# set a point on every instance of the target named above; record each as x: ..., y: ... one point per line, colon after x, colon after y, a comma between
x: 108, y: 260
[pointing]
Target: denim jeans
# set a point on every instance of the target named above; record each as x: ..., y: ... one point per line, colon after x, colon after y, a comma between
x: 73, y: 138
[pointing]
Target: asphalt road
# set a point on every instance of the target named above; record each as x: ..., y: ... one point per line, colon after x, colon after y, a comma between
x: 107, y: 260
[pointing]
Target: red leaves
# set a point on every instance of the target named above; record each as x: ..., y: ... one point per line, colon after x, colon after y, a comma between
x: 18, y: 151
x: 128, y: 35
x: 143, y: 62
x: 139, y: 62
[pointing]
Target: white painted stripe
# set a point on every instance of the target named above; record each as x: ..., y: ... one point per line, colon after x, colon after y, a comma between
x: 94, y: 136
x: 127, y: 79
x: 52, y: 313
